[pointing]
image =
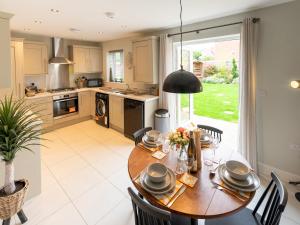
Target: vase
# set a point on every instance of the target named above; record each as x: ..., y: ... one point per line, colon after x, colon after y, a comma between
x: 181, y: 160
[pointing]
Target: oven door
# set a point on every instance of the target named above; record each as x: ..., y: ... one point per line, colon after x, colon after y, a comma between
x: 65, y: 107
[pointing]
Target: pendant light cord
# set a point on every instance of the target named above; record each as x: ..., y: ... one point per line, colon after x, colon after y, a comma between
x: 181, y: 66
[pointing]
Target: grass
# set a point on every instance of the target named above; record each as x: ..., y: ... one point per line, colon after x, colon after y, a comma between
x: 218, y: 101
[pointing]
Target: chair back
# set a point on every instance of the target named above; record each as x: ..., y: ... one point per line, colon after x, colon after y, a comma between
x: 146, y: 214
x: 215, y: 132
x: 138, y: 135
x: 275, y: 202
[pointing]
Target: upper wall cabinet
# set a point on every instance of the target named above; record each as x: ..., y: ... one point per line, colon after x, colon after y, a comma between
x: 86, y: 59
x: 145, y: 60
x: 35, y: 58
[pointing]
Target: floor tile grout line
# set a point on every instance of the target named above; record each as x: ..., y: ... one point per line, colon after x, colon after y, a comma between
x: 104, y: 177
x: 68, y: 197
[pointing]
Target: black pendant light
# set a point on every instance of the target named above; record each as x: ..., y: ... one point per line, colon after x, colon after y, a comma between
x: 182, y: 81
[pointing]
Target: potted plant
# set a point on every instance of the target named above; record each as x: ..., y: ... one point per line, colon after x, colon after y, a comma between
x: 19, y: 130
x: 197, y: 64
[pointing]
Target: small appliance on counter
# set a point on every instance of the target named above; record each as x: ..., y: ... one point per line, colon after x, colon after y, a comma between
x: 31, y: 90
x: 94, y: 82
x: 81, y: 82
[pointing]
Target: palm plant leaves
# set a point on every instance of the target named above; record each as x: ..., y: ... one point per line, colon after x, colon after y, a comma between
x: 19, y: 127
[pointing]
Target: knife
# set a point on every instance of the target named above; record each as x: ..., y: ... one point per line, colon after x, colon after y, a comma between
x: 182, y: 189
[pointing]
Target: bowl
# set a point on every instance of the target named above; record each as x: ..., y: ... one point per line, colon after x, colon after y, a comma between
x: 157, y: 172
x: 237, y: 170
x: 153, y: 135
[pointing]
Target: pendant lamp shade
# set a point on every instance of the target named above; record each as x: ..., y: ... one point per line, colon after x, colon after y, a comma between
x: 182, y: 81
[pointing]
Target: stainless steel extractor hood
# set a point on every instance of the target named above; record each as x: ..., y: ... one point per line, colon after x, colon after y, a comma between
x: 59, y: 52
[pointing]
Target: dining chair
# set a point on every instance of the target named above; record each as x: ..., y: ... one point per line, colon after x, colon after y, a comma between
x: 215, y: 132
x: 138, y: 135
x: 275, y: 196
x: 147, y: 214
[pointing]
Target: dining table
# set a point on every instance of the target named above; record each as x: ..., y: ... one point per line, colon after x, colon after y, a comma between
x: 202, y: 201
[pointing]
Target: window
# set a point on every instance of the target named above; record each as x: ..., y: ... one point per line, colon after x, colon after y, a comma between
x: 116, y: 66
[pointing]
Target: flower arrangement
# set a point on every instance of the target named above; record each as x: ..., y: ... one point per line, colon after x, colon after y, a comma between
x: 180, y: 137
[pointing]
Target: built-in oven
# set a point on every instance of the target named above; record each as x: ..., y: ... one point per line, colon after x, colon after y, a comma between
x: 65, y: 105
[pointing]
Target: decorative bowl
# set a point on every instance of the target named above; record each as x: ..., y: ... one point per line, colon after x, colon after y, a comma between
x: 237, y: 170
x: 157, y: 172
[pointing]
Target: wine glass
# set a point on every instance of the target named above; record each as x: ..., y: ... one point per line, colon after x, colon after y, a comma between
x: 208, y: 154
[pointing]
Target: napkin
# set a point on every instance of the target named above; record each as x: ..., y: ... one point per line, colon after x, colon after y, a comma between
x: 188, y: 179
x: 141, y: 145
x: 159, y: 155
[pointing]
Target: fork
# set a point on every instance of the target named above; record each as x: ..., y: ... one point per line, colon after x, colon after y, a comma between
x: 230, y: 193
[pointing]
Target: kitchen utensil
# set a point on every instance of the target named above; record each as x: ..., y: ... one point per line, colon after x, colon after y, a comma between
x: 230, y: 193
x: 180, y: 192
x: 237, y: 169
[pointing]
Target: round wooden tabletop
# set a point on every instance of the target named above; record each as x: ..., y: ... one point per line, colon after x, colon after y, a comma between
x: 203, y: 201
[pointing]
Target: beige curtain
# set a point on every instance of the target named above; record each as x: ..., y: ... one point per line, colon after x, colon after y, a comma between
x: 166, y: 100
x: 247, y: 122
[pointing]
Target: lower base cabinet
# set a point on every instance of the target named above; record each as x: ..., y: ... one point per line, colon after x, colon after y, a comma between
x: 116, y: 112
x: 84, y: 103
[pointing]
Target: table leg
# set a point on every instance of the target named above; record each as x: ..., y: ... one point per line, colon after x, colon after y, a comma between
x: 194, y: 221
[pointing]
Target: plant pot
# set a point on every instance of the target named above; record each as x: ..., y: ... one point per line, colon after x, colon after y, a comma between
x: 198, y: 68
x: 12, y: 204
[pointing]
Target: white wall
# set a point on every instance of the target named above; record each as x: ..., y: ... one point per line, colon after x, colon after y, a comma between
x: 278, y: 61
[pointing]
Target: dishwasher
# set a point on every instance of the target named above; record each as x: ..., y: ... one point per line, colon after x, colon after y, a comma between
x: 133, y: 116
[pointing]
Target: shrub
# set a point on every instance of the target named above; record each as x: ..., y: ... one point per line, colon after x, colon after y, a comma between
x: 197, y: 55
x: 210, y: 70
x: 234, y: 69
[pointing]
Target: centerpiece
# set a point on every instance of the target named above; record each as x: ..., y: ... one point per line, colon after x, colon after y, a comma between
x: 179, y: 139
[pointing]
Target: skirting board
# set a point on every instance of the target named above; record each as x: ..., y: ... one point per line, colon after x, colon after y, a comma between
x: 265, y: 171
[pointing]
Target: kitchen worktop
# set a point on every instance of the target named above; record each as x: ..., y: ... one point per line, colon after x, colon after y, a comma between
x: 144, y: 98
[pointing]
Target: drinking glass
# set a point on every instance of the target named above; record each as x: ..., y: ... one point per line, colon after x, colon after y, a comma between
x: 181, y: 161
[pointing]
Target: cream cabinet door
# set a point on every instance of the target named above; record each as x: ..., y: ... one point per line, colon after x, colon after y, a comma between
x: 142, y: 62
x: 84, y: 104
x: 16, y: 56
x: 95, y: 60
x: 116, y: 111
x: 93, y: 104
x: 81, y: 59
x: 35, y: 59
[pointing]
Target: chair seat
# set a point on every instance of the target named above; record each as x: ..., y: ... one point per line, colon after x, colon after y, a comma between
x: 243, y: 217
x: 180, y: 220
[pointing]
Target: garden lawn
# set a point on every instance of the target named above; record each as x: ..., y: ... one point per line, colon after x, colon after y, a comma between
x: 218, y: 101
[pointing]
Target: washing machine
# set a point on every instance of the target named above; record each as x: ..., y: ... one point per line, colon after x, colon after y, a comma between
x: 102, y: 109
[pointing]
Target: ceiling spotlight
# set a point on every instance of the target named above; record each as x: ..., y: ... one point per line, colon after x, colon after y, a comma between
x: 38, y: 21
x: 27, y: 29
x: 295, y: 84
x: 72, y: 29
x: 54, y: 10
x: 110, y: 15
x: 100, y: 32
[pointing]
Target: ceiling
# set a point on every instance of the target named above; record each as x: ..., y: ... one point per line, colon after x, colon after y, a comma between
x: 131, y: 16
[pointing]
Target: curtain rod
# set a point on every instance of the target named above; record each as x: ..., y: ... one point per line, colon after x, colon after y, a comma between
x: 254, y: 20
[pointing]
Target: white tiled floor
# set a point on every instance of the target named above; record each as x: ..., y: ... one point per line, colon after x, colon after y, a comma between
x: 85, y: 180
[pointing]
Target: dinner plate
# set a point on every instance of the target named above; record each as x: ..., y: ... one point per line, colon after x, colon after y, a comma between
x: 253, y: 187
x: 157, y: 186
x: 241, y: 183
x: 159, y: 192
x: 148, y: 143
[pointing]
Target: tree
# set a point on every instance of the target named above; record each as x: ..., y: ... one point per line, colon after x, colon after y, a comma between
x: 234, y: 69
x: 197, y: 55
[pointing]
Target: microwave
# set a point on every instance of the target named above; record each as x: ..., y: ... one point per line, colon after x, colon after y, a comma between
x: 95, y: 82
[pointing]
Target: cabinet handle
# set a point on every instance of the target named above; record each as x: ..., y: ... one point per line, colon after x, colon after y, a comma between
x: 19, y: 91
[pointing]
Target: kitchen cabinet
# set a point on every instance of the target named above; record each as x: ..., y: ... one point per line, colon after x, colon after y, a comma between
x: 35, y: 58
x: 16, y: 59
x: 93, y: 104
x: 84, y: 103
x: 145, y: 60
x: 44, y: 108
x: 86, y: 59
x: 116, y: 112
